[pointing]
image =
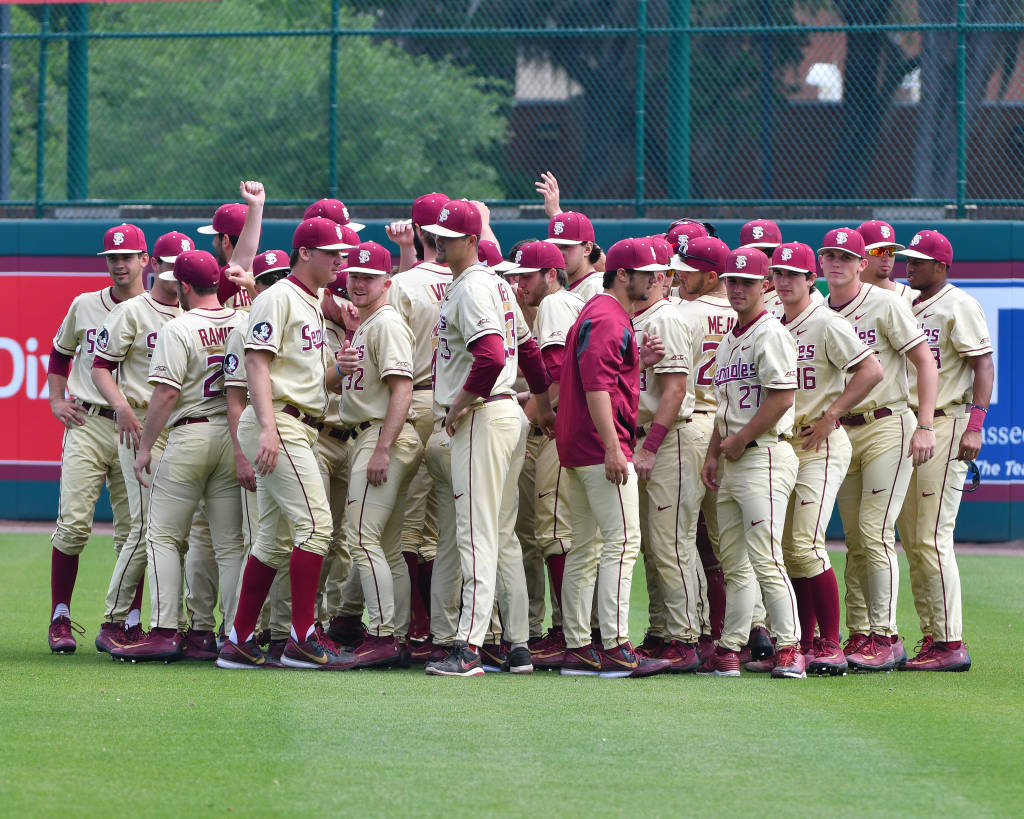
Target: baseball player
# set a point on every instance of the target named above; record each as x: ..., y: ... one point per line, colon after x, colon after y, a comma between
x: 595, y: 432
x: 124, y: 347
x: 827, y: 351
x: 476, y: 366
x: 958, y: 339
x: 236, y: 237
x: 678, y: 236
x: 198, y: 462
x: 286, y: 364
x: 887, y: 442
x: 752, y: 467
x: 574, y: 235
x: 881, y: 246
x: 89, y: 451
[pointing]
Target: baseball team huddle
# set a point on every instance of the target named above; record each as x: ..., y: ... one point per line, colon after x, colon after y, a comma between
x: 462, y: 444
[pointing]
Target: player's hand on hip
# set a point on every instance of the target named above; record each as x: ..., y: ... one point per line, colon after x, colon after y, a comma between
x: 143, y: 459
x: 246, y: 474
x: 129, y: 430
x: 67, y: 412
x: 922, y: 446
x: 709, y: 473
x: 732, y: 447
x: 377, y: 467
x: 548, y: 188
x: 401, y: 233
x: 970, y: 445
x: 347, y: 358
x: 643, y: 460
x: 252, y: 192
x: 616, y: 467
x: 652, y: 350
x: 266, y: 453
x: 818, y: 434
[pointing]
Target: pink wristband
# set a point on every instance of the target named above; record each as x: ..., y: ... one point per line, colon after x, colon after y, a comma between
x: 977, y: 419
x: 655, y: 435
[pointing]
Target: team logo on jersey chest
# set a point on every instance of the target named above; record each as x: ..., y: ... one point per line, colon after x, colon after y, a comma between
x: 230, y: 363
x: 312, y: 337
x: 262, y: 331
x: 103, y: 339
x: 737, y: 371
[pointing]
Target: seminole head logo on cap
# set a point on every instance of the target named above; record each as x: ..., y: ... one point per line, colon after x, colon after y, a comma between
x: 364, y: 256
x: 741, y: 262
x: 757, y: 232
x: 443, y: 215
x: 841, y: 238
x: 787, y: 254
x: 559, y: 228
x: 118, y: 238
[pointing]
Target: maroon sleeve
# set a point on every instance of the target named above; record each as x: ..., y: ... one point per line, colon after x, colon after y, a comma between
x: 553, y: 356
x: 227, y: 289
x: 99, y: 363
x: 532, y: 363
x: 601, y: 348
x: 488, y: 360
x: 59, y: 363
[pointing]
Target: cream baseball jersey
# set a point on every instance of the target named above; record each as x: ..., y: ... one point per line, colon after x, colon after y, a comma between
x: 77, y: 333
x: 589, y: 286
x: 955, y: 327
x: 416, y: 294
x: 287, y: 321
x: 234, y: 355
x: 773, y: 304
x: 664, y: 320
x: 826, y: 347
x: 555, y: 315
x: 128, y: 338
x: 475, y: 304
x: 749, y: 361
x: 189, y: 355
x: 906, y: 292
x: 384, y: 344
x: 710, y: 318
x: 883, y: 321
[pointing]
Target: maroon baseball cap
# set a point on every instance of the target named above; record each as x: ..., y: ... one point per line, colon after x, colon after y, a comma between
x: 534, y: 256
x: 845, y: 239
x: 662, y: 248
x: 570, y: 228
x: 426, y: 208
x: 340, y: 284
x: 877, y: 233
x: 457, y: 217
x: 321, y: 234
x: 929, y: 244
x: 370, y: 257
x: 269, y: 261
x: 703, y: 253
x: 795, y: 256
x: 334, y: 210
x: 228, y: 219
x: 195, y: 267
x: 760, y: 233
x: 634, y: 254
x: 490, y: 254
x: 123, y: 238
x: 746, y: 263
x: 680, y: 233
x: 168, y: 246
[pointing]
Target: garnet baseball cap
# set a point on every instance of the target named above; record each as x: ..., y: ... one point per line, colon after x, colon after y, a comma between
x: 457, y: 218
x: 760, y: 233
x: 370, y: 257
x: 704, y: 254
x: 123, y: 238
x: 426, y: 208
x: 795, y: 256
x: 321, y: 234
x: 534, y: 256
x: 680, y: 233
x: 746, y: 263
x: 570, y: 228
x: 168, y: 246
x: 340, y: 283
x: 269, y: 261
x: 334, y: 210
x: 845, y: 239
x: 633, y: 254
x: 662, y: 248
x: 929, y: 244
x: 228, y: 219
x: 195, y: 267
x: 490, y: 254
x: 877, y: 233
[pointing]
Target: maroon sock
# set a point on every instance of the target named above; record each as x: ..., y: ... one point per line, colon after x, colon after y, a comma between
x: 305, y: 574
x: 826, y: 604
x: 63, y: 572
x: 805, y: 611
x: 256, y: 581
x: 424, y: 575
x: 716, y: 600
x: 137, y: 599
x: 419, y: 621
x: 556, y: 568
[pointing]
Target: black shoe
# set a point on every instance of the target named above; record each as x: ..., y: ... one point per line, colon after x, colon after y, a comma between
x: 761, y: 647
x: 519, y: 661
x: 461, y: 662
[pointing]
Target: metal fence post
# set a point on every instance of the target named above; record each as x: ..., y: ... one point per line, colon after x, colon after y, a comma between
x: 332, y: 126
x: 78, y: 103
x: 44, y: 42
x: 641, y: 70
x: 679, y: 103
x: 961, y: 107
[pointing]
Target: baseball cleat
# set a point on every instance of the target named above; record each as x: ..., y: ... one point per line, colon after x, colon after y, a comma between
x: 623, y: 661
x: 941, y: 657
x: 705, y: 646
x: 133, y: 634
x: 61, y: 638
x: 312, y: 654
x: 493, y: 656
x: 651, y: 646
x: 272, y: 656
x: 723, y: 663
x: 581, y: 662
x: 789, y: 664
x: 237, y: 656
x: 420, y: 653
x: 764, y: 666
x: 549, y: 657
x: 899, y: 653
x: 828, y: 659
x: 346, y: 631
x: 760, y: 643
x: 200, y: 645
x: 875, y: 655
x: 461, y: 661
x: 682, y: 657
x: 519, y: 661
x: 160, y: 644
x: 377, y: 652
x: 854, y: 643
x: 110, y: 636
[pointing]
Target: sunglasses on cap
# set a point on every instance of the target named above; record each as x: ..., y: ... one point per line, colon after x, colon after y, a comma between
x: 881, y: 252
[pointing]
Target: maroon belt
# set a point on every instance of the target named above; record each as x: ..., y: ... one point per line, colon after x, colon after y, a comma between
x: 943, y: 413
x: 102, y: 412
x: 641, y: 432
x: 423, y: 386
x: 295, y: 412
x: 809, y: 428
x: 862, y: 418
x: 752, y: 444
x: 491, y: 398
x: 197, y: 420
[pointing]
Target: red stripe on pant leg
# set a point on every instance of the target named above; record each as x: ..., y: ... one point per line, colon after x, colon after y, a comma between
x: 472, y: 542
x: 133, y: 547
x: 675, y: 534
x: 771, y: 537
x: 821, y: 508
x: 935, y: 535
x: 554, y: 527
x: 305, y: 497
x: 365, y: 551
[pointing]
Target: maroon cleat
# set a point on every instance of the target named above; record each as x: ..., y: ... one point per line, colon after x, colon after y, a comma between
x: 240, y: 656
x: 854, y: 643
x: 110, y: 636
x: 874, y: 655
x: 313, y: 654
x: 652, y: 645
x: 419, y: 652
x: 828, y: 659
x: 789, y: 664
x: 723, y: 663
x: 272, y: 656
x: 581, y: 662
x: 62, y: 635
x: 765, y: 666
x: 549, y: 658
x: 924, y: 646
x: 941, y: 657
x: 682, y: 657
x: 133, y: 634
x: 623, y: 661
x: 200, y: 645
x: 705, y: 646
x: 377, y: 652
x: 160, y: 644
x: 493, y: 656
x: 346, y: 631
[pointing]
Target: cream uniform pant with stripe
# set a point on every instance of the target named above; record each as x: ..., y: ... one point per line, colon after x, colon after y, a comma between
x: 869, y: 500
x: 926, y: 526
x: 752, y: 500
x: 446, y: 580
x: 533, y: 558
x: 335, y: 458
x: 198, y: 464
x: 419, y: 531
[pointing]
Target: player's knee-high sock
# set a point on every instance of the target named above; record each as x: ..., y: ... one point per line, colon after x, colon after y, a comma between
x: 63, y: 573
x: 423, y: 578
x: 556, y: 568
x: 419, y: 620
x: 305, y: 573
x: 256, y: 582
x: 715, y: 577
x: 826, y: 604
x: 805, y: 611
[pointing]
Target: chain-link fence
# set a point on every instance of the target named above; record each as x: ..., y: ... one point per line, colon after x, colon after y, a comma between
x: 798, y: 106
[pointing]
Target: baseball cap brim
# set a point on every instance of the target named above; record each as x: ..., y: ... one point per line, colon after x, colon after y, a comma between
x: 678, y: 264
x: 915, y: 254
x: 437, y: 230
x: 753, y: 276
x: 654, y: 267
x: 373, y: 271
x: 168, y: 276
x: 278, y: 269
x: 356, y: 226
x: 794, y: 268
x: 509, y: 267
x: 894, y: 245
x: 564, y: 241
x: 762, y: 245
x: 520, y: 270
x: 840, y: 249
x: 121, y: 252
x: 209, y: 230
x: 335, y: 246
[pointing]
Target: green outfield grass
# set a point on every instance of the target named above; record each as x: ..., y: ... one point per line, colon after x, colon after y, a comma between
x: 83, y: 735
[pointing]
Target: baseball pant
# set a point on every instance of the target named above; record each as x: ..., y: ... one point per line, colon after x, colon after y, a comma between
x: 335, y: 458
x: 533, y: 558
x: 487, y: 452
x: 702, y: 425
x: 606, y: 541
x: 752, y: 499
x: 201, y: 576
x: 446, y: 581
x: 870, y: 499
x: 926, y: 526
x: 198, y: 464
x: 419, y: 530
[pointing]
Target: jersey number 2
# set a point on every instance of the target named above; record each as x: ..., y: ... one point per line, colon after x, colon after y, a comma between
x: 214, y: 383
